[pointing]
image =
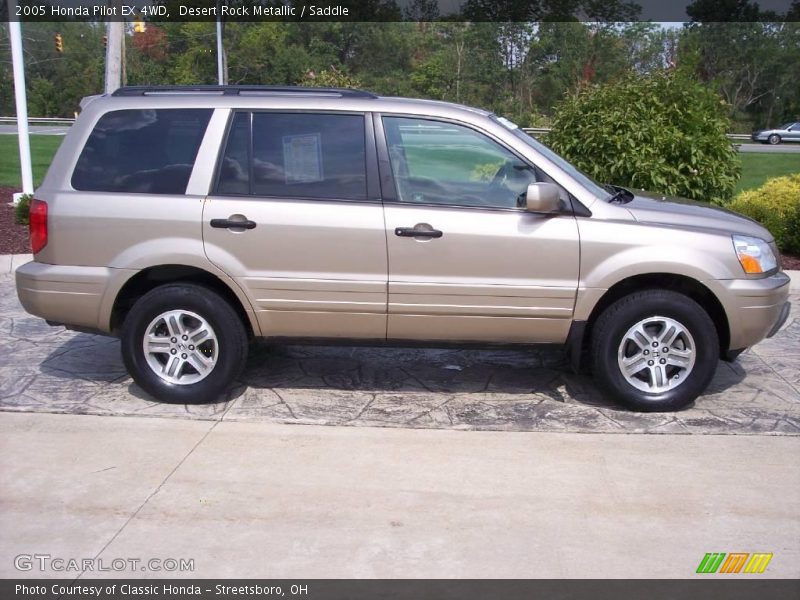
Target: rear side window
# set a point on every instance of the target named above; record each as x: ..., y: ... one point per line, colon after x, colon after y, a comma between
x: 150, y: 151
x: 295, y: 155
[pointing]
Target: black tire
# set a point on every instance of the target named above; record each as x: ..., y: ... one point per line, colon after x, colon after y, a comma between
x: 230, y: 334
x: 610, y: 330
x: 774, y: 139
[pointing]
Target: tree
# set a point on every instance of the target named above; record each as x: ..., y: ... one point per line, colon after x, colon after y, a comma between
x: 664, y: 132
x: 751, y: 59
x: 330, y: 78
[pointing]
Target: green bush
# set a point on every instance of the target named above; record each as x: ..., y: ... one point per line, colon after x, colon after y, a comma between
x: 21, y: 210
x: 663, y: 132
x: 776, y: 205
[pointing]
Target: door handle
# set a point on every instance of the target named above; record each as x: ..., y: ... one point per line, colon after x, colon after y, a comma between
x: 231, y: 223
x: 414, y: 232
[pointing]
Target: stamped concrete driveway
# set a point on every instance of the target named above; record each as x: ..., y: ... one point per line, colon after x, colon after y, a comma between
x: 49, y: 369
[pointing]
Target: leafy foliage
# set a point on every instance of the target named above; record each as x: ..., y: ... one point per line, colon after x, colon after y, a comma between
x: 332, y: 77
x: 776, y: 205
x: 485, y: 171
x: 663, y: 132
x: 22, y: 210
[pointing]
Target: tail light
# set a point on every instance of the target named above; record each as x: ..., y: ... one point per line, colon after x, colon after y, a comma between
x: 38, y: 225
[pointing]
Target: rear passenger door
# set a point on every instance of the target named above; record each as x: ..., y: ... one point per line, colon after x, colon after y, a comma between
x: 295, y: 218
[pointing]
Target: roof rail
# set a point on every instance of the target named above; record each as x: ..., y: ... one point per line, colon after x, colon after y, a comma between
x: 235, y: 90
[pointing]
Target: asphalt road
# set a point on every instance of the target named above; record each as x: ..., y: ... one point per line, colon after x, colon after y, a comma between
x: 766, y: 148
x: 36, y: 129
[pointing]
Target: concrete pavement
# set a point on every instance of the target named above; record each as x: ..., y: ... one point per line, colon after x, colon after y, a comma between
x: 245, y: 499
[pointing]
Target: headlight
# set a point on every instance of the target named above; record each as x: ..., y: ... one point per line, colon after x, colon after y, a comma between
x: 754, y: 254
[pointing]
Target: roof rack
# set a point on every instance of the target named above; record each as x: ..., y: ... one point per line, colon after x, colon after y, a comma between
x: 235, y: 90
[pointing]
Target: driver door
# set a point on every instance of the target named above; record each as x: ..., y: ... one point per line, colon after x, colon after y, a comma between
x: 466, y: 262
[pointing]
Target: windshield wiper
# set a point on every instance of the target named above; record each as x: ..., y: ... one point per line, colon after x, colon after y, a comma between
x: 619, y: 195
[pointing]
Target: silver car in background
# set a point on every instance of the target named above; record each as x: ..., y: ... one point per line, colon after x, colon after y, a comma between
x: 788, y: 132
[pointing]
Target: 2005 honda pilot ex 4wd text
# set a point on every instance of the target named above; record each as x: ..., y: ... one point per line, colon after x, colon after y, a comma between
x: 189, y: 220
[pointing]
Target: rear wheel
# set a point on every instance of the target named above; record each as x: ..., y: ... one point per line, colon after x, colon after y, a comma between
x: 183, y: 343
x: 654, y: 350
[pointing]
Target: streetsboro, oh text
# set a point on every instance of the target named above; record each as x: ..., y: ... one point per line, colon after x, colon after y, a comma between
x: 126, y: 589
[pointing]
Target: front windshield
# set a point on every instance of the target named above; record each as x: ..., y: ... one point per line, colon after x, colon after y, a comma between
x: 582, y: 178
x: 786, y: 126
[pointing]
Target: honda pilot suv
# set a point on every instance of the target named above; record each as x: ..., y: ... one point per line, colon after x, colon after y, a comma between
x: 189, y: 220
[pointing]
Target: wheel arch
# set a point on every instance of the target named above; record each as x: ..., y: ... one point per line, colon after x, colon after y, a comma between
x: 147, y: 279
x: 682, y: 284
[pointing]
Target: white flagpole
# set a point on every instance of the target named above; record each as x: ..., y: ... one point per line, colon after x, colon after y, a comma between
x: 15, y: 37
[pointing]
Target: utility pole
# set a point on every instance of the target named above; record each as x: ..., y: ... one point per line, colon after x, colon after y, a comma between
x: 222, y: 67
x: 115, y: 30
x: 15, y: 38
x: 220, y: 55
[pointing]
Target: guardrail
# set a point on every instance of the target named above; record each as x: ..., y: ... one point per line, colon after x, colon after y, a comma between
x: 68, y: 121
x: 39, y: 120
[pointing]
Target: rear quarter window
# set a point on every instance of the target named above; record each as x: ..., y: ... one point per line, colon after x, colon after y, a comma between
x: 148, y: 151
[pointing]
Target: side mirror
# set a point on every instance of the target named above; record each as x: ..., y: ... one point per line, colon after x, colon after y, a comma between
x: 542, y: 198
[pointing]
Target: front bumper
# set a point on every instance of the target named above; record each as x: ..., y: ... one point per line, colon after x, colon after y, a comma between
x: 756, y: 308
x: 787, y: 308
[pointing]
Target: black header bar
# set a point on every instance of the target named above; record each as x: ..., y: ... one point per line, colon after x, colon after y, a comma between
x: 401, y: 10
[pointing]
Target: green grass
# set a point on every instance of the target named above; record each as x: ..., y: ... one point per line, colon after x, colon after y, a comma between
x: 43, y: 147
x: 758, y: 167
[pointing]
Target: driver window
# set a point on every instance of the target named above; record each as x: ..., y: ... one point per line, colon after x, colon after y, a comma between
x: 434, y: 162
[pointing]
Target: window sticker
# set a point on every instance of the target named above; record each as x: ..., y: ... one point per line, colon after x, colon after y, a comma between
x: 302, y: 158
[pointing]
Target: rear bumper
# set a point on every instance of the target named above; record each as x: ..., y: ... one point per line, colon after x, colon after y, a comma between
x: 756, y: 308
x: 68, y: 295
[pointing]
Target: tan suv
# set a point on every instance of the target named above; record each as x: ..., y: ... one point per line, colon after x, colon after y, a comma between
x: 188, y: 220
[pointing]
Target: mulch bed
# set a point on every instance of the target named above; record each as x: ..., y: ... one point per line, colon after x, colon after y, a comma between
x: 791, y: 262
x: 14, y: 238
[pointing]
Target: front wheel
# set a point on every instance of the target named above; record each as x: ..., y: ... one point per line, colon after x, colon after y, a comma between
x: 774, y: 139
x: 654, y: 350
x: 183, y: 343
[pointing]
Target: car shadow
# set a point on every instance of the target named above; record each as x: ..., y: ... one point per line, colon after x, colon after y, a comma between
x: 501, y: 372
